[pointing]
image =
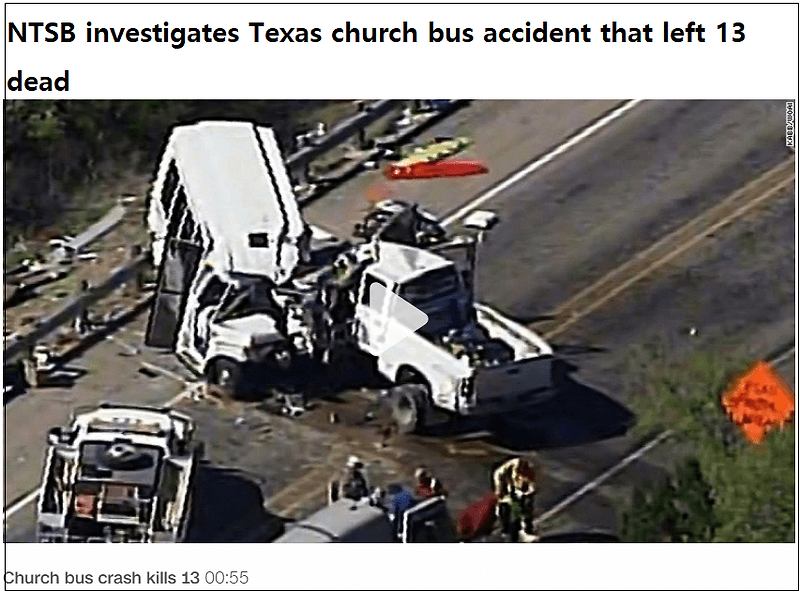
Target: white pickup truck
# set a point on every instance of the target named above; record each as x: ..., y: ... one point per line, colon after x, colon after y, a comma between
x: 467, y: 359
x: 243, y: 281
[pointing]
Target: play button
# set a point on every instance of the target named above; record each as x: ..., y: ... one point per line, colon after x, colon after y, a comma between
x: 390, y: 319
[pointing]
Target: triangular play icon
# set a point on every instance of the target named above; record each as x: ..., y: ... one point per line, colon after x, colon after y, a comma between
x: 391, y: 318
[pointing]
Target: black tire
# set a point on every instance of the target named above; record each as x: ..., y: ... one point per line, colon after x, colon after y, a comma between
x: 409, y: 408
x: 560, y: 374
x: 283, y: 359
x: 226, y: 375
x: 199, y: 451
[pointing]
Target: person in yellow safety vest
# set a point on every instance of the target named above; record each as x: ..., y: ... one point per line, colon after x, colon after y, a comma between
x: 515, y: 488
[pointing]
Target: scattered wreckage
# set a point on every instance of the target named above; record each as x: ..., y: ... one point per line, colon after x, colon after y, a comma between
x: 245, y: 284
x: 119, y: 474
x: 419, y: 228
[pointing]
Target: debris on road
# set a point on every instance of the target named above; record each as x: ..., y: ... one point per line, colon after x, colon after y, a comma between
x: 147, y: 372
x: 293, y: 405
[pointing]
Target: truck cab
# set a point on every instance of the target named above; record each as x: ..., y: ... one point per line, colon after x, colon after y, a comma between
x: 119, y: 474
x: 228, y: 322
x: 467, y: 359
x: 225, y: 231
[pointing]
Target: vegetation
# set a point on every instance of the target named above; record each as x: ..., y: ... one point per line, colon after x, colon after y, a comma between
x: 57, y: 151
x: 725, y: 489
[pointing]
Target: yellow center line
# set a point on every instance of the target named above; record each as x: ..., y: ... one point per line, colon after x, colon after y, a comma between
x: 582, y: 305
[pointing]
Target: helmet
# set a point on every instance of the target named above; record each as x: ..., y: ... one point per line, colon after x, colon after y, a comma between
x: 354, y: 462
x: 421, y: 473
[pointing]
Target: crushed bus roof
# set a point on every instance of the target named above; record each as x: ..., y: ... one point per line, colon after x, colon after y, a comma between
x: 236, y: 184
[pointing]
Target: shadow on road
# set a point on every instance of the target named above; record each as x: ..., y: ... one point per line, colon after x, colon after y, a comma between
x: 580, y: 537
x: 577, y: 350
x: 13, y: 382
x: 229, y: 507
x: 62, y: 377
x: 578, y: 414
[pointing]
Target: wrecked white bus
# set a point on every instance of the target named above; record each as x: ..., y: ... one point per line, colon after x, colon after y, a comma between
x: 242, y: 284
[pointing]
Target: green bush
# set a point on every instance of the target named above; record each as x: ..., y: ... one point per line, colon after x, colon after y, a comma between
x: 680, y: 509
x: 54, y: 150
x: 727, y: 489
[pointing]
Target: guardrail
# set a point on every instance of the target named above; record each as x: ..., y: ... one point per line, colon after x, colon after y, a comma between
x: 370, y: 149
x: 96, y: 231
x: 296, y: 163
x: 19, y: 345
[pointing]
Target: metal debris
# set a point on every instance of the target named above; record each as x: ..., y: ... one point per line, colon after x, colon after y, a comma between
x: 293, y: 405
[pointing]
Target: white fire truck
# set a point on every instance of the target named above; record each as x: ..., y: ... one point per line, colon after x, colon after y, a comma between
x: 119, y: 474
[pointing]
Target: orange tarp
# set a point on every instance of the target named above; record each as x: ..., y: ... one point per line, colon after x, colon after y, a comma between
x: 760, y: 401
x: 438, y: 168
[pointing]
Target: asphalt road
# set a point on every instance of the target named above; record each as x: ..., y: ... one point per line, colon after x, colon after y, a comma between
x: 109, y: 371
x: 563, y: 227
x: 593, y: 209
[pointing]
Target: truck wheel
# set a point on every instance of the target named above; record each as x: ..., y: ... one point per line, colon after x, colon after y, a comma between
x: 226, y: 375
x: 409, y: 408
x: 199, y: 451
x: 283, y: 359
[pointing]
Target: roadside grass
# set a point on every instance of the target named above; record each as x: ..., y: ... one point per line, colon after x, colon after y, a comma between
x: 13, y: 257
x: 724, y: 489
x: 683, y: 394
x: 91, y: 200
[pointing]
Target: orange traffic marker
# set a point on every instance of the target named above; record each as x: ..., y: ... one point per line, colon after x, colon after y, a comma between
x: 379, y: 192
x: 759, y: 402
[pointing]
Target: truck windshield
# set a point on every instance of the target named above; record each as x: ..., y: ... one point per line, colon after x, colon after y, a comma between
x: 250, y: 299
x: 441, y: 296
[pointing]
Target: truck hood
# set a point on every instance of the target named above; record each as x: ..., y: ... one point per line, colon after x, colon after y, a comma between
x: 255, y: 329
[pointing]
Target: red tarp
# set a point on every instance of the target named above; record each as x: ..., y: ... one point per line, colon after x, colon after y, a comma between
x: 478, y: 518
x: 439, y: 168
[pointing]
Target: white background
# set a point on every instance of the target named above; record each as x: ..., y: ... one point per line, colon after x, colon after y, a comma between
x: 765, y: 65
